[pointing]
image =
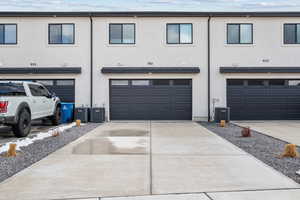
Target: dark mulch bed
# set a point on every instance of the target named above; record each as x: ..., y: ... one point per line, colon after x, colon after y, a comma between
x: 40, y: 149
x: 265, y: 148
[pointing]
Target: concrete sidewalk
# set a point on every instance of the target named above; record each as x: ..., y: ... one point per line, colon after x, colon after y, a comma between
x: 145, y: 158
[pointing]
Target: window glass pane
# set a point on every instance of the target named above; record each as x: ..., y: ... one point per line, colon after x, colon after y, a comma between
x: 45, y: 82
x: 233, y: 34
x: 276, y: 82
x: 64, y: 82
x: 55, y: 34
x: 173, y: 33
x: 115, y: 33
x: 181, y: 82
x: 12, y: 89
x: 298, y: 33
x: 161, y: 82
x: 256, y: 82
x: 67, y: 33
x: 43, y: 91
x: 246, y: 33
x: 1, y: 34
x: 10, y: 34
x: 140, y: 82
x: 128, y: 33
x: 289, y: 34
x: 35, y: 91
x: 294, y: 82
x: 186, y: 33
x: 119, y: 82
x: 235, y: 82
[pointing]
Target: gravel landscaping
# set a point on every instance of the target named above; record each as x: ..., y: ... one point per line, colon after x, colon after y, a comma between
x: 265, y: 148
x: 40, y: 149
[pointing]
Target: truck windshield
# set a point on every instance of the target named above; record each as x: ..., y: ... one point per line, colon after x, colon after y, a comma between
x: 12, y: 89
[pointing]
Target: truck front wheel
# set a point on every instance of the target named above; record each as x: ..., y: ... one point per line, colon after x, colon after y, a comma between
x: 23, y: 126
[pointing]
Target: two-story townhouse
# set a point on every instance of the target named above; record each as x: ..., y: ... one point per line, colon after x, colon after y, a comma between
x: 159, y: 65
x: 255, y: 66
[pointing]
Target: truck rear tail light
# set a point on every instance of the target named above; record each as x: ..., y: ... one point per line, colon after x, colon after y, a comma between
x: 3, y: 106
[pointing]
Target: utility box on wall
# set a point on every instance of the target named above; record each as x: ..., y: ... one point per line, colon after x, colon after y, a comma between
x: 222, y: 113
x: 97, y: 115
x: 82, y: 114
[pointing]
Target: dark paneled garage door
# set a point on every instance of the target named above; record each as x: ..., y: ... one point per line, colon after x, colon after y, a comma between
x: 151, y: 99
x: 63, y: 88
x: 263, y: 99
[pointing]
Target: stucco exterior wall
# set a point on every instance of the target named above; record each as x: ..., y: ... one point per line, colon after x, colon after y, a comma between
x: 33, y: 47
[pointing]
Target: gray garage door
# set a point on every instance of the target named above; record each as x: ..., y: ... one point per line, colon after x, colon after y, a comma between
x: 275, y: 99
x: 151, y: 99
x: 63, y: 88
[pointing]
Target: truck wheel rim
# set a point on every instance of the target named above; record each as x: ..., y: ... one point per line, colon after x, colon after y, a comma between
x: 25, y: 123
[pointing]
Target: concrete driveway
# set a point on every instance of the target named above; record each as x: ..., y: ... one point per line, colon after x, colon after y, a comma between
x: 288, y: 131
x: 122, y: 159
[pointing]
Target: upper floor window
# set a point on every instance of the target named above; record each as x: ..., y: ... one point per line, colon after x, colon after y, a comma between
x: 122, y: 33
x: 8, y: 34
x: 179, y: 33
x: 61, y: 34
x: 291, y: 33
x: 239, y: 33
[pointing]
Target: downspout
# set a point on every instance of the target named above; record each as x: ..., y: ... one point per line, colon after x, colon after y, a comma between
x: 208, y: 69
x: 91, y: 62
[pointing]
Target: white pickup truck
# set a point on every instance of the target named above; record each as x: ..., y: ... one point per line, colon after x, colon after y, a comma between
x: 21, y: 102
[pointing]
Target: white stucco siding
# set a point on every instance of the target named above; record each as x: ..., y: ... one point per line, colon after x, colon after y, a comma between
x: 151, y: 47
x: 33, y: 47
x: 267, y: 45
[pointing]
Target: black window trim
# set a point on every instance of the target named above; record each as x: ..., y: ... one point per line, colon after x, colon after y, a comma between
x: 4, y: 24
x: 122, y: 43
x: 294, y: 33
x: 239, y: 24
x: 61, y: 24
x: 179, y: 42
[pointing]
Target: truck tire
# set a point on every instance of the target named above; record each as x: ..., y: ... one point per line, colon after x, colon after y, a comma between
x: 23, y: 126
x: 55, y: 119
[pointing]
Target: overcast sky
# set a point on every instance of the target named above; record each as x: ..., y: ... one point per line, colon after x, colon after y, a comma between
x: 150, y: 5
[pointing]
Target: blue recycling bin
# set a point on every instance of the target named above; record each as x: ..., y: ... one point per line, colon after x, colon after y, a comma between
x: 67, y: 112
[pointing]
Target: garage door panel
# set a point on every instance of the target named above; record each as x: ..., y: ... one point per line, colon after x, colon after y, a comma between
x: 266, y: 102
x: 151, y: 102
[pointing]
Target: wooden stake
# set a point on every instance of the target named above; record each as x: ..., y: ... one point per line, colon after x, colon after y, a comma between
x: 78, y: 122
x: 12, y: 151
x: 223, y: 123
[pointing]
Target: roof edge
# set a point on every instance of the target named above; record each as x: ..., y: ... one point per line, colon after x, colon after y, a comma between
x: 147, y: 14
